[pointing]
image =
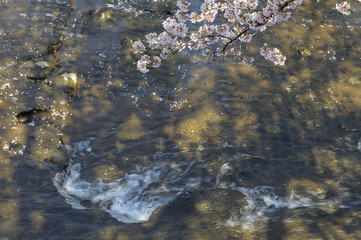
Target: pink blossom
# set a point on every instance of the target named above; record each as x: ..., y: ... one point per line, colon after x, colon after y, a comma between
x: 194, y: 17
x: 210, y: 15
x: 207, y: 53
x: 175, y: 28
x: 165, y: 39
x: 181, y: 16
x: 156, y: 61
x: 270, y: 10
x: 232, y: 15
x: 220, y: 53
x: 223, y: 30
x: 165, y: 52
x: 244, y: 19
x: 343, y: 8
x: 222, y: 6
x: 283, y: 16
x: 247, y: 61
x: 138, y: 47
x: 143, y: 63
x: 183, y: 5
x: 294, y: 4
x: 274, y: 55
x: 153, y: 41
x: 246, y: 38
x: 252, y: 4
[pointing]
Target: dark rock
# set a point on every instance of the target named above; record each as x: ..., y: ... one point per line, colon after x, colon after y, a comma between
x: 37, y: 70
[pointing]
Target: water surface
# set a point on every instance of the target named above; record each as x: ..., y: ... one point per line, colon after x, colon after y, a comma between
x: 92, y: 149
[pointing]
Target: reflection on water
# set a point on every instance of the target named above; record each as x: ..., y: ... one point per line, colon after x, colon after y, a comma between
x: 203, y: 150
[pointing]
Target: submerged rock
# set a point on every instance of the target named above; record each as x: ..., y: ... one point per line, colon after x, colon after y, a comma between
x: 29, y: 116
x: 70, y: 79
x: 37, y: 71
x: 42, y: 64
x: 202, y: 213
x: 67, y: 82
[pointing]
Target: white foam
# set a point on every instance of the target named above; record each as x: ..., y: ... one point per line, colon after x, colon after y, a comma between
x: 82, y: 148
x: 226, y: 168
x: 262, y: 201
x: 138, y: 194
x: 130, y: 199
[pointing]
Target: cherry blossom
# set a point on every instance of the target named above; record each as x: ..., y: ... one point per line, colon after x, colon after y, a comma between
x: 183, y: 5
x: 199, y: 30
x: 273, y: 54
x: 138, y: 46
x: 143, y: 63
x: 247, y: 61
x: 156, y: 61
x: 343, y: 8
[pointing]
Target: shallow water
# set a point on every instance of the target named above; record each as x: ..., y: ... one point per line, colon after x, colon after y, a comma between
x: 92, y: 149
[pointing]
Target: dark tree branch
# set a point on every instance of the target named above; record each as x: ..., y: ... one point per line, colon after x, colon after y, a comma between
x: 281, y: 7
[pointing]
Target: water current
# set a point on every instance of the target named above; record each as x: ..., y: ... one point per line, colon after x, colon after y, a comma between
x: 197, y: 149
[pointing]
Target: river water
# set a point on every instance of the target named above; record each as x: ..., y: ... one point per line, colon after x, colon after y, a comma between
x: 93, y: 149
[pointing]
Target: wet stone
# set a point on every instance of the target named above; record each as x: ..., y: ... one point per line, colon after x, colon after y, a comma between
x: 42, y: 64
x: 36, y: 70
x: 33, y: 114
x: 67, y: 82
x: 167, y: 94
x: 105, y: 18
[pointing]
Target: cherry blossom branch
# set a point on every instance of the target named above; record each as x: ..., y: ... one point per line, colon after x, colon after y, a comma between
x: 234, y: 39
x: 281, y: 7
x: 244, y: 19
